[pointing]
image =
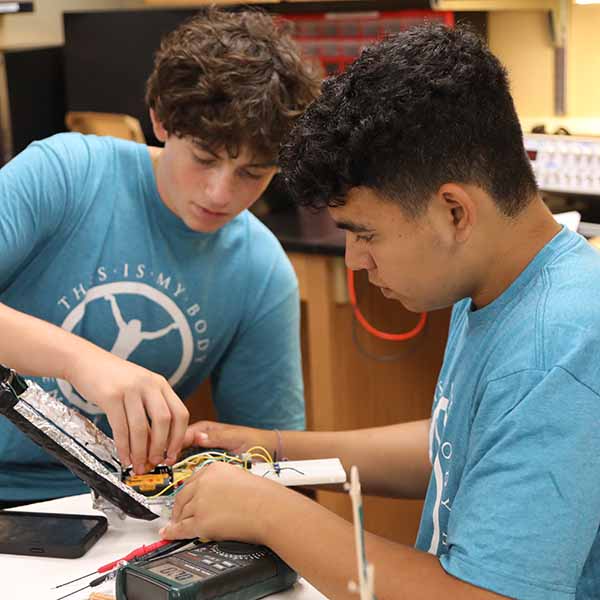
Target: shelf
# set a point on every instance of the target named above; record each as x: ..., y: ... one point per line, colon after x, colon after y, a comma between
x: 201, y: 3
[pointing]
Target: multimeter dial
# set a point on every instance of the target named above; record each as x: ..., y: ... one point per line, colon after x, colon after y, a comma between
x: 239, y: 550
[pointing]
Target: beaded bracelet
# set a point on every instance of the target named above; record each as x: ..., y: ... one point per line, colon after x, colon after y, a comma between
x: 279, y: 451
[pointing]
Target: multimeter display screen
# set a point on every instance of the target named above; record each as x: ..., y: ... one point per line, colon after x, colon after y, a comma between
x: 174, y: 572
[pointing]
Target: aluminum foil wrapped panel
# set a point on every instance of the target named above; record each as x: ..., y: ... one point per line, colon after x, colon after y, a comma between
x: 73, y: 423
x: 73, y: 439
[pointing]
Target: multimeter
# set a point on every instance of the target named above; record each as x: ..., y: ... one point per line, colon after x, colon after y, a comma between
x: 223, y: 570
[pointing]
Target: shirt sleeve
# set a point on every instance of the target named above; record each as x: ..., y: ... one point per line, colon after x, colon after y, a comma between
x: 526, y: 513
x: 258, y: 382
x: 35, y: 190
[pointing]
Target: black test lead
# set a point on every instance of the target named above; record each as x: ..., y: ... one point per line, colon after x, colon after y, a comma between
x: 93, y: 583
x: 151, y: 551
x: 74, y: 580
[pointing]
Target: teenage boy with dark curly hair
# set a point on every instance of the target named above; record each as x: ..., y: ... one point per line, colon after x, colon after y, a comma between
x: 151, y: 255
x: 418, y: 153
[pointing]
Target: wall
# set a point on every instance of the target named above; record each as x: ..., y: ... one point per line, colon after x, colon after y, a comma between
x: 44, y: 26
x: 521, y: 39
x: 584, y: 61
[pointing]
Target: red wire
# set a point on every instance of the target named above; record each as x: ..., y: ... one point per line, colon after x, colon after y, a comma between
x: 137, y: 553
x: 392, y: 337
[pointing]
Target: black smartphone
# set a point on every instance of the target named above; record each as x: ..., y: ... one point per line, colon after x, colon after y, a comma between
x: 49, y: 534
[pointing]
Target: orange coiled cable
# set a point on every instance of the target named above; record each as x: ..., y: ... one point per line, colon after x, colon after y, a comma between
x: 391, y: 337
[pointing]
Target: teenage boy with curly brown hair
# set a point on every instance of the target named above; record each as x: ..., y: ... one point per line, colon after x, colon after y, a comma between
x: 150, y: 256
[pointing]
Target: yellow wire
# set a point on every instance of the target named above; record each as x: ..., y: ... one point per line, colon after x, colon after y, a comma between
x: 261, y: 449
x: 201, y: 457
x: 262, y: 457
x: 162, y: 491
x: 177, y: 478
x: 182, y: 475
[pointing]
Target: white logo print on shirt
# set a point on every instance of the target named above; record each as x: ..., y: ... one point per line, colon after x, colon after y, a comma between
x: 438, y: 423
x: 131, y: 333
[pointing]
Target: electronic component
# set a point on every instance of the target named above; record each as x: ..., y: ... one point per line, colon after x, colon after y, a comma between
x: 223, y: 570
x: 151, y: 483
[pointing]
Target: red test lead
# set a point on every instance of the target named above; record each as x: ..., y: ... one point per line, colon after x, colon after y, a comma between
x: 137, y: 553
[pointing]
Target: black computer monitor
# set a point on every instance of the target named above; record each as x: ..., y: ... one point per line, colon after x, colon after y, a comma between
x: 108, y: 57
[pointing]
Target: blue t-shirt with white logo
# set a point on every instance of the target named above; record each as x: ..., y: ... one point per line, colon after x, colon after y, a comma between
x: 87, y: 243
x: 513, y: 503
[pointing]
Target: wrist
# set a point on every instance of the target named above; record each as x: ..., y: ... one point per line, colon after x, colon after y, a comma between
x: 74, y: 357
x: 278, y: 506
x: 69, y: 363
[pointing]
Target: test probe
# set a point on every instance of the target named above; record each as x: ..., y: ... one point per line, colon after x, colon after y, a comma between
x: 109, y: 570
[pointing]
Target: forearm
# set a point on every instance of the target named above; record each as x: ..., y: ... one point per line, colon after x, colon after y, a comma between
x: 323, y: 551
x: 147, y: 418
x: 34, y: 347
x: 392, y: 461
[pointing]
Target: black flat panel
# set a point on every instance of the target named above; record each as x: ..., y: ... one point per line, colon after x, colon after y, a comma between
x: 35, y: 80
x: 109, y: 56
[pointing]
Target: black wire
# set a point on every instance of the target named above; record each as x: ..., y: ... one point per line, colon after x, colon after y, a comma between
x: 75, y: 592
x: 168, y: 549
x: 93, y: 583
x: 408, y: 350
x: 292, y: 469
x: 278, y: 471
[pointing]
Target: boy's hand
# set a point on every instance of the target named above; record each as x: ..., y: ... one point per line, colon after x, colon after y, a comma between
x: 147, y: 418
x: 234, y: 438
x: 224, y: 502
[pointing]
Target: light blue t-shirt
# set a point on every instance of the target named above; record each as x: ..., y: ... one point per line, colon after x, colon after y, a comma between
x: 86, y: 243
x: 513, y: 503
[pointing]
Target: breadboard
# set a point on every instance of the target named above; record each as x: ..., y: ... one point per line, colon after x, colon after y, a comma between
x: 303, y: 472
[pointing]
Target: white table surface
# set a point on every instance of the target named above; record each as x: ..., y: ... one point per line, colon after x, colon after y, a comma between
x: 32, y: 577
